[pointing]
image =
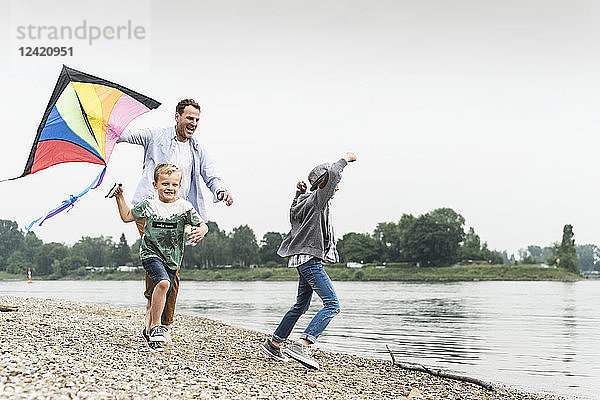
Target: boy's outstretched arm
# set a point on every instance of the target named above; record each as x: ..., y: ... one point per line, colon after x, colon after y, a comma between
x: 124, y: 210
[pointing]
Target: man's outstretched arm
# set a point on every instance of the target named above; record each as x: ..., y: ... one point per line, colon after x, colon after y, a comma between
x: 135, y: 136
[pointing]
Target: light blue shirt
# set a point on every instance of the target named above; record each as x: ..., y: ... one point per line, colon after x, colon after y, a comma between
x: 159, y: 145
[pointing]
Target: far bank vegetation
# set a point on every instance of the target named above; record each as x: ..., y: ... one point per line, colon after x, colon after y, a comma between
x: 431, y: 246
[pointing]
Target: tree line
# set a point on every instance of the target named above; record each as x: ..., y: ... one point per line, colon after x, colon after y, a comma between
x: 565, y: 254
x: 436, y: 238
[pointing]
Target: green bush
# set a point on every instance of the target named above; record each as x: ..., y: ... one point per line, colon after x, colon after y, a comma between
x: 266, y: 274
x: 399, y: 265
x: 270, y: 264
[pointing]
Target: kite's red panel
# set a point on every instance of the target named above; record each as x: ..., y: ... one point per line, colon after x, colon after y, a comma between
x: 52, y: 152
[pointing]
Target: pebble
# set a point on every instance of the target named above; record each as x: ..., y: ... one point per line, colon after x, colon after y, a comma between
x: 57, y: 349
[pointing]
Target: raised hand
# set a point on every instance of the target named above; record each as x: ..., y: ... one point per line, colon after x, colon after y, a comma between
x: 350, y: 157
x: 301, y: 186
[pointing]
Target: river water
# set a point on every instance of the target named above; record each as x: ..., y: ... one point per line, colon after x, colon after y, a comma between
x: 537, y: 336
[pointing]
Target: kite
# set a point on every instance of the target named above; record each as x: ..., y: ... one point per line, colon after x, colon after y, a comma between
x: 84, y: 118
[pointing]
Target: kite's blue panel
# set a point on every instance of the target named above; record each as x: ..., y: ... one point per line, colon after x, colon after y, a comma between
x: 57, y: 129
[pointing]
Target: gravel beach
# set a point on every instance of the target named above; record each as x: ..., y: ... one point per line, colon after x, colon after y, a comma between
x: 56, y: 349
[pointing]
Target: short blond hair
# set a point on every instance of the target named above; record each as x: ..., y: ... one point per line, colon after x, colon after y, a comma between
x: 166, y: 169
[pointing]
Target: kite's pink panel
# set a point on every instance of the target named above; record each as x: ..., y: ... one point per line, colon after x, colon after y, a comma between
x: 108, y: 97
x: 52, y: 152
x: 125, y: 110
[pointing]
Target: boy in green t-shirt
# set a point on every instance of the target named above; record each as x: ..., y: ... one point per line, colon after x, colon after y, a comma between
x: 161, y: 249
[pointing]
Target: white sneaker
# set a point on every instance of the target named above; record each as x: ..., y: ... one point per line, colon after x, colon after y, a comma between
x: 156, y: 334
x: 154, y: 346
x: 301, y: 353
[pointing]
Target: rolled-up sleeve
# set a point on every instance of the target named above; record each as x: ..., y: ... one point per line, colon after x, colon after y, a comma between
x: 209, y: 174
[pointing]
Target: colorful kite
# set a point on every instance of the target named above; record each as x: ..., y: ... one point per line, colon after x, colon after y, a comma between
x: 84, y: 118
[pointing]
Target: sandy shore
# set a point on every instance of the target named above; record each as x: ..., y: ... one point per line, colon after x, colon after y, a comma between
x: 55, y: 349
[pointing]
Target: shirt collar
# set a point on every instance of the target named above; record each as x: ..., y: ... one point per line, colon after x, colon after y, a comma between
x: 192, y: 140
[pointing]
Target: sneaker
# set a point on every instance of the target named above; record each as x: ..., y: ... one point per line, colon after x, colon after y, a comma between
x: 301, y: 353
x: 272, y: 351
x: 113, y: 190
x: 145, y: 335
x: 156, y: 334
x: 154, y: 346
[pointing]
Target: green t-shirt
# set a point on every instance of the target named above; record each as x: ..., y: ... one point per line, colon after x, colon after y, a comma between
x: 164, y: 229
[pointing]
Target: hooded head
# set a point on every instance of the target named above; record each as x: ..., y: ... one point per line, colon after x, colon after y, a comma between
x: 318, y: 175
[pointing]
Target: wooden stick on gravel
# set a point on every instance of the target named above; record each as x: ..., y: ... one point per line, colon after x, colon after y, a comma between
x: 7, y: 308
x: 438, y: 372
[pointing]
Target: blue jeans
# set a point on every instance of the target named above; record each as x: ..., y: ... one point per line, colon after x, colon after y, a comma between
x: 157, y: 271
x: 312, y: 277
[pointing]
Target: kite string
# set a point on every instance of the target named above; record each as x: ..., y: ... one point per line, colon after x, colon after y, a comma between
x: 69, y: 203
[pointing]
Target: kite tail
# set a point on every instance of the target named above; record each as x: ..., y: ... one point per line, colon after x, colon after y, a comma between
x: 98, y: 179
x: 70, y: 202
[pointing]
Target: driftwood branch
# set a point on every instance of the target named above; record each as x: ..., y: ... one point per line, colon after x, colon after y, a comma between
x: 391, y: 354
x: 438, y: 372
x: 7, y: 308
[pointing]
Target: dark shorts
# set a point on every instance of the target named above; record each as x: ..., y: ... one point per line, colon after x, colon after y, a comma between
x: 157, y: 271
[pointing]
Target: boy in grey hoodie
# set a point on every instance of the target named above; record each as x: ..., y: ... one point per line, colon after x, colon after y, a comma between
x: 309, y: 244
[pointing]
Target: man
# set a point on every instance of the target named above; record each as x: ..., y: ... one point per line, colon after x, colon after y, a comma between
x: 176, y: 145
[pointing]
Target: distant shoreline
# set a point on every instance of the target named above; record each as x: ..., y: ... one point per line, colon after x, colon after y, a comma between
x: 457, y: 273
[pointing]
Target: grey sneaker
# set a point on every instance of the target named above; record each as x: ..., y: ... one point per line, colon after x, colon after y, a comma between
x: 156, y: 334
x: 301, y: 353
x: 272, y: 351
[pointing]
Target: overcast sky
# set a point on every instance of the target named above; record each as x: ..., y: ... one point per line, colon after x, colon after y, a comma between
x: 487, y: 107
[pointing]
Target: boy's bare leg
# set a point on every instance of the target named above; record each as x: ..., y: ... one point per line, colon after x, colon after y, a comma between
x: 157, y: 303
x: 169, y: 310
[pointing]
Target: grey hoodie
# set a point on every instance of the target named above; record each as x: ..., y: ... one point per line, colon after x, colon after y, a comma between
x: 309, y: 216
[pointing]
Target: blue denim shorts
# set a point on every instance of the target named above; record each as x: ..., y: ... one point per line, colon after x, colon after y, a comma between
x: 157, y: 271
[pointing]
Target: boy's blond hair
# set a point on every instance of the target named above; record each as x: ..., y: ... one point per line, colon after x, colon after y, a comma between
x: 166, y: 169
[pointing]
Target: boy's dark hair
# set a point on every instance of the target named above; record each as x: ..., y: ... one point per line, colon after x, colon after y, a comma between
x: 184, y: 103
